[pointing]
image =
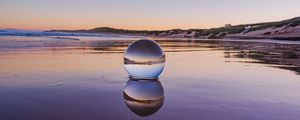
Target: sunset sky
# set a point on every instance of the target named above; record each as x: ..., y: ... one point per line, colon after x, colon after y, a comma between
x: 141, y: 14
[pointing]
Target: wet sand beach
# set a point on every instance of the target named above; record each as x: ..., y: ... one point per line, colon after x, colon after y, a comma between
x: 42, y: 79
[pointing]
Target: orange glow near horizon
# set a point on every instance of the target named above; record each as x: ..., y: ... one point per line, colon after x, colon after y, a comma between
x: 50, y: 24
x: 141, y: 14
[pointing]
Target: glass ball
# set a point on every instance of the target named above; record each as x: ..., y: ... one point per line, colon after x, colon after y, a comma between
x: 144, y: 97
x: 144, y: 59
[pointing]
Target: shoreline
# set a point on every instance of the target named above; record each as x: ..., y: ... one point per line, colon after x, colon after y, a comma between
x: 292, y: 40
x: 272, y: 38
x: 272, y: 52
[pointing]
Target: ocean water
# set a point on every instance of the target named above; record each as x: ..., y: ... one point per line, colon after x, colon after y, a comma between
x: 44, y: 78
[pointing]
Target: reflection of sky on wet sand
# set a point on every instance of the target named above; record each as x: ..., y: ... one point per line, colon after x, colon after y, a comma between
x: 58, y: 62
x: 87, y: 83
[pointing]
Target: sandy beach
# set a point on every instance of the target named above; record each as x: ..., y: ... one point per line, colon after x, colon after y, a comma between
x: 86, y: 79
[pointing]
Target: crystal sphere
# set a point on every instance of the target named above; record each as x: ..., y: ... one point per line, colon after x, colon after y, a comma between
x: 144, y: 59
x: 144, y: 97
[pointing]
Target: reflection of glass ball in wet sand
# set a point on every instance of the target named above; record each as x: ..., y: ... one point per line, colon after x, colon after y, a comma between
x: 144, y: 59
x: 144, y: 97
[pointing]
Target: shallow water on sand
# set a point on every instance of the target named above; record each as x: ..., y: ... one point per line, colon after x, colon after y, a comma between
x: 87, y: 80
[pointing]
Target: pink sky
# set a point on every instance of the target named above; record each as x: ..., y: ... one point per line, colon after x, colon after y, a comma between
x: 141, y: 14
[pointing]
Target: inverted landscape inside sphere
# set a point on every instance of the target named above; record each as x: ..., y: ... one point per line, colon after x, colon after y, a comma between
x: 144, y: 59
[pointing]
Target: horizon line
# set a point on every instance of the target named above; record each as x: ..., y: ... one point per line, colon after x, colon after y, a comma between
x: 115, y: 27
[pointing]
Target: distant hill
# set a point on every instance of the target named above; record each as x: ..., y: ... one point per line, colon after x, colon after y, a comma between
x: 285, y: 29
x: 110, y: 30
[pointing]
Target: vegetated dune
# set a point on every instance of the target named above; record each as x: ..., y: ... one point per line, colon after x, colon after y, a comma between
x: 284, y: 32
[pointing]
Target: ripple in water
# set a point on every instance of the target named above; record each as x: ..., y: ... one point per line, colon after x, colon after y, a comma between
x: 144, y: 59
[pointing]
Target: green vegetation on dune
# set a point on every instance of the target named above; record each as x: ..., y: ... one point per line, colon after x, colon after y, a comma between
x: 244, y: 28
x: 290, y: 22
x: 253, y: 27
